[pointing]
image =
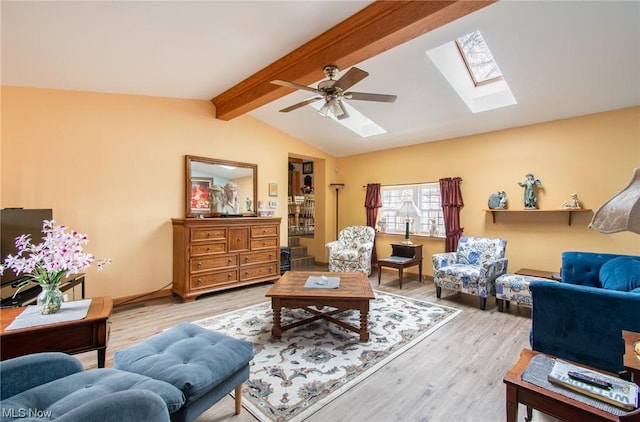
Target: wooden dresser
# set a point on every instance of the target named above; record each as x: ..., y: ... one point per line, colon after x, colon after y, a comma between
x: 211, y: 254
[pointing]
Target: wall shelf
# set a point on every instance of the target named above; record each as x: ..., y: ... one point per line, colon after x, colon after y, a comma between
x: 568, y: 211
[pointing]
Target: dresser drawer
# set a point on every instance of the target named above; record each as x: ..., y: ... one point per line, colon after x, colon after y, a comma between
x: 201, y: 235
x: 208, y: 248
x: 266, y: 243
x: 264, y: 231
x: 257, y: 271
x: 257, y: 257
x: 211, y: 279
x: 211, y: 262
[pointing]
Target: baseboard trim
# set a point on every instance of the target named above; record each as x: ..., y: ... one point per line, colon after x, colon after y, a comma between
x: 143, y: 297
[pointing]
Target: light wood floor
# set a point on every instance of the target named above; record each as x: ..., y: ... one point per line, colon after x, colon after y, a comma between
x: 455, y: 374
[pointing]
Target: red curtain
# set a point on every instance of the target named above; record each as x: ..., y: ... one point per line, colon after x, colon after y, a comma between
x: 373, y: 201
x: 451, y: 198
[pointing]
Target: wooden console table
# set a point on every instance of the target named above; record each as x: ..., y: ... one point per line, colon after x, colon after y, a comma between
x: 546, y: 401
x: 402, y: 256
x: 83, y: 335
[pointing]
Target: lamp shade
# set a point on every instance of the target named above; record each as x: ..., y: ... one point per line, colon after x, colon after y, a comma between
x: 622, y: 212
x: 408, y: 208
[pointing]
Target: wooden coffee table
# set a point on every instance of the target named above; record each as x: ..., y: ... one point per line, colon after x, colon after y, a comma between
x: 546, y: 401
x: 83, y: 335
x: 289, y: 292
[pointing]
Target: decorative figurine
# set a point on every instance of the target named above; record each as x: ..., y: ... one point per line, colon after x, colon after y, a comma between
x: 530, y: 198
x: 433, y: 231
x: 498, y: 200
x: 573, y: 204
x: 248, y: 204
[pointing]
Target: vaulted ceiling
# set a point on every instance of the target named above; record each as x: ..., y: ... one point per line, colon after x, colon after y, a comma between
x: 560, y: 58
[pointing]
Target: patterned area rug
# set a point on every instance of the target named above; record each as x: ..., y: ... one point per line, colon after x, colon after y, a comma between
x: 293, y: 377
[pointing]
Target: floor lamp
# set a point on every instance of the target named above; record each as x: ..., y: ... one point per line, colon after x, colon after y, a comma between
x: 337, y: 187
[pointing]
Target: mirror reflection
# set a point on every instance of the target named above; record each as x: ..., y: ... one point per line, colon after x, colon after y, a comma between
x: 220, y: 188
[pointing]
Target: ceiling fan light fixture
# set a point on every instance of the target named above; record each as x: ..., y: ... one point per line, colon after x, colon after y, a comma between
x: 324, y: 110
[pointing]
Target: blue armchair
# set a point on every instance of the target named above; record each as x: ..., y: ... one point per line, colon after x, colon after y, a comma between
x: 582, y: 318
x: 54, y: 386
x: 473, y: 268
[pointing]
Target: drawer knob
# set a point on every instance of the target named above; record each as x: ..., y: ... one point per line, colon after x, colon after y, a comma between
x: 228, y: 276
x: 199, y: 264
x: 198, y: 282
x: 246, y: 259
x: 229, y: 260
x: 208, y: 234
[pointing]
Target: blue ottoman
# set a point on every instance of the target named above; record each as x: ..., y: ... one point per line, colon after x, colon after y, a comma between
x: 203, y: 364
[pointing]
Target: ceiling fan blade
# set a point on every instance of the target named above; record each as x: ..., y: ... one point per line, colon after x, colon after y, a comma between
x: 294, y: 85
x: 300, y: 104
x: 364, y: 96
x: 352, y: 77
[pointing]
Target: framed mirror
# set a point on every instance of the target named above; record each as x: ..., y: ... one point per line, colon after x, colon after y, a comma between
x: 220, y: 188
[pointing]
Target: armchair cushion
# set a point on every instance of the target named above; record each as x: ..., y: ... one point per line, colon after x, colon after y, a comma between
x: 622, y: 273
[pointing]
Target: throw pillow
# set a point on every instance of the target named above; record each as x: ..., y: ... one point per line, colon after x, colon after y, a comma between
x: 622, y: 273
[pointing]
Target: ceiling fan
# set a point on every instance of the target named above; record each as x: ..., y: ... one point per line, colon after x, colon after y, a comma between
x: 333, y: 92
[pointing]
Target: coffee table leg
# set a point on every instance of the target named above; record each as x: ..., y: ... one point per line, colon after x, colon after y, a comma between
x: 276, y: 331
x: 364, y: 318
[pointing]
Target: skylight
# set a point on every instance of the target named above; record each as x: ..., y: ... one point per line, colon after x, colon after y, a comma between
x: 487, y: 89
x: 477, y: 56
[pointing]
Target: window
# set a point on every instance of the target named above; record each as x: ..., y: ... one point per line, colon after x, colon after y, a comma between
x: 426, y: 197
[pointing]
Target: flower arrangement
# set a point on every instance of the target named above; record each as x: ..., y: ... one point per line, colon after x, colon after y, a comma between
x: 307, y: 189
x: 59, y: 254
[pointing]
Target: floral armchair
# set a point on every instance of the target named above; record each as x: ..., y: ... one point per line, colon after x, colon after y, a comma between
x: 473, y: 268
x: 352, y: 251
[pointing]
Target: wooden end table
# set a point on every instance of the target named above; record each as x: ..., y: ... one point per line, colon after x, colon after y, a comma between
x: 354, y: 292
x: 84, y: 335
x: 402, y: 256
x: 631, y: 360
x: 546, y: 401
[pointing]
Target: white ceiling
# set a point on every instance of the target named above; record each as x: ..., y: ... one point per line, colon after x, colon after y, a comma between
x: 560, y: 59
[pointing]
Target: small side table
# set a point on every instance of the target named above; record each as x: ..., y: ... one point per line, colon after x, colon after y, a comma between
x: 402, y: 256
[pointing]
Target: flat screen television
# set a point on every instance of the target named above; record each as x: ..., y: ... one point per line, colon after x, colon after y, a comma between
x: 13, y: 223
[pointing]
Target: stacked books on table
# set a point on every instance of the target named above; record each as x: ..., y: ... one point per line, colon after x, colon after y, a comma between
x: 615, y: 391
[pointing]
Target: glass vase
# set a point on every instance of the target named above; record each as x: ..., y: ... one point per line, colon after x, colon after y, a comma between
x: 50, y: 299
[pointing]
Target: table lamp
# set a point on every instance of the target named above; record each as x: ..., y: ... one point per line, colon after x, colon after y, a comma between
x: 622, y: 212
x: 409, y: 210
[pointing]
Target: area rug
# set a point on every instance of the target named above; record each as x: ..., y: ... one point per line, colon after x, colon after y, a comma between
x: 293, y: 377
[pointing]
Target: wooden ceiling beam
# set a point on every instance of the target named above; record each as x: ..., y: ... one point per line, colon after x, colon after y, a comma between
x: 377, y: 28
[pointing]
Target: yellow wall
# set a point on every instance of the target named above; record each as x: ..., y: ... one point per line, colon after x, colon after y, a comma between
x: 593, y: 156
x: 112, y: 166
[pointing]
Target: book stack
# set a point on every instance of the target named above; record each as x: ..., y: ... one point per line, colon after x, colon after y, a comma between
x: 612, y: 390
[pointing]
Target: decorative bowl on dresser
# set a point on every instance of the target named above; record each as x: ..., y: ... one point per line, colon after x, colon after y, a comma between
x: 212, y: 254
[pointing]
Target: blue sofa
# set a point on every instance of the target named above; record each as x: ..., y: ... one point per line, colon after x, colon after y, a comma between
x: 582, y: 317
